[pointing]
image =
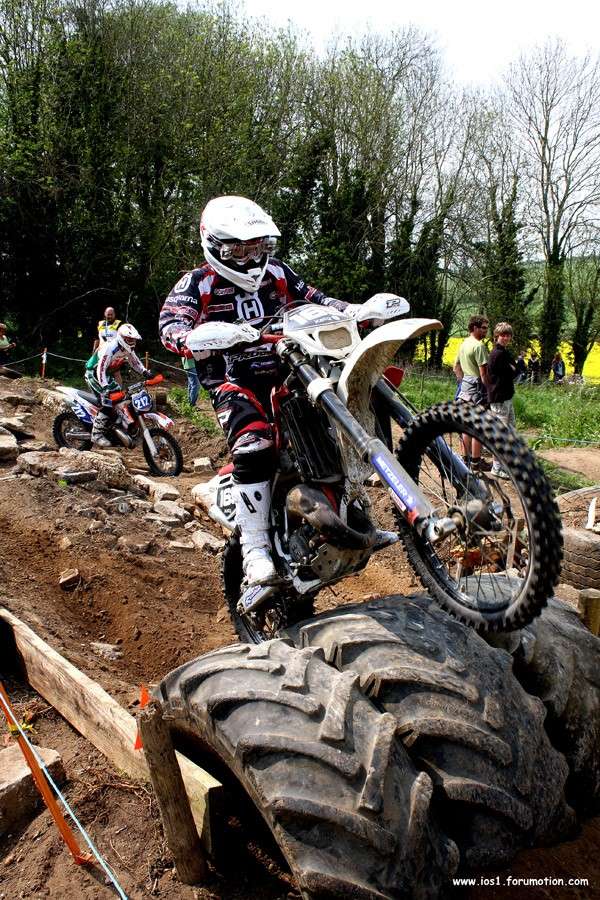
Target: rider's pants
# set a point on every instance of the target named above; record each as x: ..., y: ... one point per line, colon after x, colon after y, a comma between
x: 247, y: 430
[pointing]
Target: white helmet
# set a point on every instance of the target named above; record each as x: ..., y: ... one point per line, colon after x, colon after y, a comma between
x: 127, y: 336
x: 238, y: 238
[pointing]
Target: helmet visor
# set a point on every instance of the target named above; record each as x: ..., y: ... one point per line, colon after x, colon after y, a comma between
x: 241, y: 252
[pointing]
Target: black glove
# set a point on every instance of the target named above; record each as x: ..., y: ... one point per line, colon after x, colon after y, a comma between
x: 148, y: 374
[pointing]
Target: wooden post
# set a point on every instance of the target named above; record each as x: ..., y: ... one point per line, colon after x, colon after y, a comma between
x: 588, y: 608
x: 44, y: 360
x: 178, y: 823
x: 147, y: 360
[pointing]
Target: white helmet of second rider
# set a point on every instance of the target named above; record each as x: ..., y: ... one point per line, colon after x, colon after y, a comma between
x: 127, y: 336
x: 238, y: 238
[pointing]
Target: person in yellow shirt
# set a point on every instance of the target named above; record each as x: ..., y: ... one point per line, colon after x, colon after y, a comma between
x: 107, y: 328
x: 470, y: 369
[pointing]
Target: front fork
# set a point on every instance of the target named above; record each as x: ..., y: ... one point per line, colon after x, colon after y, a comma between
x: 415, y: 508
x: 147, y: 437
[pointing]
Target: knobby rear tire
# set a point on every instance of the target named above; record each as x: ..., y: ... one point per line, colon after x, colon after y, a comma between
x: 535, y: 492
x: 58, y: 434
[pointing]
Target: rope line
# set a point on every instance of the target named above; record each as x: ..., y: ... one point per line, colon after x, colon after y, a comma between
x: 65, y: 803
x: 16, y: 362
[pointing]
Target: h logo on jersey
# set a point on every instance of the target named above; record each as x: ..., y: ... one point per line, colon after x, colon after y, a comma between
x: 250, y: 308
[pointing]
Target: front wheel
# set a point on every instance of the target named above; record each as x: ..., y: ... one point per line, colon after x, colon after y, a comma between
x: 169, y: 459
x: 69, y: 431
x: 498, y: 570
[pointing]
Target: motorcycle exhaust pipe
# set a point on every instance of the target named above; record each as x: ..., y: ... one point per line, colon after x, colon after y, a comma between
x: 311, y: 504
x: 124, y: 438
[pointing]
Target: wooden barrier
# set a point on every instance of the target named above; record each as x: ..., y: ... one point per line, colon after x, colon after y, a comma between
x: 588, y: 607
x: 103, y: 721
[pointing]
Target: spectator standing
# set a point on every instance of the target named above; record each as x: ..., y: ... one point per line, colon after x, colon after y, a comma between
x: 189, y: 367
x: 521, y: 367
x: 534, y: 368
x: 501, y: 372
x: 5, y: 344
x: 107, y: 328
x: 558, y: 368
x: 470, y: 369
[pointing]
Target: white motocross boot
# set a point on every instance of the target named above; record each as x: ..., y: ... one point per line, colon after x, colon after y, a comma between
x: 252, y: 505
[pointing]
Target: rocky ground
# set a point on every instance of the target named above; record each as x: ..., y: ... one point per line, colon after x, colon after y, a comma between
x: 139, y: 562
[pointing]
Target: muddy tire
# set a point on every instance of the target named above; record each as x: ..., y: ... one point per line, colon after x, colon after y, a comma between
x: 463, y: 717
x: 231, y: 576
x: 323, y: 766
x: 559, y: 662
x: 538, y: 504
x: 63, y: 422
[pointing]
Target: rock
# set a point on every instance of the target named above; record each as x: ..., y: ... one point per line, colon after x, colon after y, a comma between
x: 109, y: 465
x: 89, y: 512
x: 16, y: 426
x: 96, y: 526
x: 204, y: 541
x: 205, y: 492
x: 65, y: 543
x: 69, y: 579
x: 167, y: 521
x: 19, y: 797
x: 140, y: 504
x: 143, y: 482
x: 136, y: 633
x: 163, y: 492
x: 133, y: 544
x: 36, y: 446
x: 52, y: 400
x: 171, y: 509
x: 16, y: 399
x: 202, y: 466
x: 106, y: 651
x: 181, y: 545
x: 9, y: 449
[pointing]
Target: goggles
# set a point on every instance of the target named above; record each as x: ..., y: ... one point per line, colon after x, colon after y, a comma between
x: 243, y: 251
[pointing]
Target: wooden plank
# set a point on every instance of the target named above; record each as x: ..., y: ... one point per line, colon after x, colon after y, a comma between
x: 102, y: 720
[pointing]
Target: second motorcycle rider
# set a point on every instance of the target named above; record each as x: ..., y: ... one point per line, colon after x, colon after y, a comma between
x: 240, y: 280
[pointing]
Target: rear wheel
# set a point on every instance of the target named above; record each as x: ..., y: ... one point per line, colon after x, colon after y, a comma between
x: 497, y: 571
x: 262, y: 625
x: 169, y: 459
x: 68, y: 430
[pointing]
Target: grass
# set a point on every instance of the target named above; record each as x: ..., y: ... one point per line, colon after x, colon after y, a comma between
x: 562, y: 480
x: 560, y: 414
x: 178, y: 399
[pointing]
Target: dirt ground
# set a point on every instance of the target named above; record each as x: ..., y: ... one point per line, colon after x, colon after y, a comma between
x: 580, y: 460
x: 161, y: 609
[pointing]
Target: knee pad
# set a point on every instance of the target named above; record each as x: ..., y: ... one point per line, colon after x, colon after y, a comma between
x: 253, y: 456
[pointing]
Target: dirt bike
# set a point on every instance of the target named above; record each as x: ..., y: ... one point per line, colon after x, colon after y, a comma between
x: 487, y: 550
x: 135, y: 423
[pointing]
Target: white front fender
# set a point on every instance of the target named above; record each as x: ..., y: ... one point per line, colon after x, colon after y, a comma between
x: 374, y: 354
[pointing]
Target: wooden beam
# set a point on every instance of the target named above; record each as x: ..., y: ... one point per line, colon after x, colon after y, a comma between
x: 178, y: 825
x: 103, y: 721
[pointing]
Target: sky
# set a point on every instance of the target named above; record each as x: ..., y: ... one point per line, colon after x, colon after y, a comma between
x: 479, y: 38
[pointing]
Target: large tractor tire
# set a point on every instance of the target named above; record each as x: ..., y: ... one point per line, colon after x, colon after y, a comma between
x: 581, y: 564
x: 559, y: 661
x: 322, y: 764
x: 463, y: 717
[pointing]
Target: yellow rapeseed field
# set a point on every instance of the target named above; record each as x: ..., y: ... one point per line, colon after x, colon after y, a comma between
x: 591, y: 368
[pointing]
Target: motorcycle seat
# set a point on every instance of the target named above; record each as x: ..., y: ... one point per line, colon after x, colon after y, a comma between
x: 91, y: 398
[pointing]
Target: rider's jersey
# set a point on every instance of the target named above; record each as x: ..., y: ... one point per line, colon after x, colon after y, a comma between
x: 203, y: 295
x: 109, y: 358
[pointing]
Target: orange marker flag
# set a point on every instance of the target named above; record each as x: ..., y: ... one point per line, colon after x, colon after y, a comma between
x: 43, y: 786
x: 144, y: 701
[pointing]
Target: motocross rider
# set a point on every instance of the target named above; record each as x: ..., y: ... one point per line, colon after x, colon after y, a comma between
x: 99, y: 374
x: 240, y: 280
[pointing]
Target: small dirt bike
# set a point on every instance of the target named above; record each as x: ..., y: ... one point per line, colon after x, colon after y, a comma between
x: 135, y: 423
x: 487, y: 549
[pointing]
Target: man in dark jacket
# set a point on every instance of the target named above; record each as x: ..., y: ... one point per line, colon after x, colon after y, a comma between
x: 501, y: 371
